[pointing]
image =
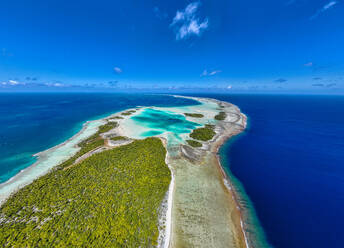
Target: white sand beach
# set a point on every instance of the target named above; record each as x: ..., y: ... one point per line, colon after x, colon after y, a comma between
x: 200, y: 208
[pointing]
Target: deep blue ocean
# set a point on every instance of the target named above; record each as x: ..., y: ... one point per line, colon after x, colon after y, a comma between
x: 33, y: 122
x: 290, y: 160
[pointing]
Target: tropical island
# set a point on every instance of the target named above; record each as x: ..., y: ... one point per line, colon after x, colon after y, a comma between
x: 143, y: 177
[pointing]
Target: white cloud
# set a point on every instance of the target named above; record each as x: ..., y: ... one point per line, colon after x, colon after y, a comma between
x: 186, y: 23
x: 13, y: 82
x: 57, y: 84
x: 323, y: 9
x: 117, y: 70
x: 214, y: 72
x: 329, y: 5
x: 309, y: 64
x: 210, y: 73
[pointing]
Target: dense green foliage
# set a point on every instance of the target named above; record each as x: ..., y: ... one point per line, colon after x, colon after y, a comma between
x: 129, y: 112
x: 116, y: 117
x: 116, y: 138
x: 220, y: 116
x: 90, y: 143
x: 102, y: 129
x: 194, y: 143
x: 110, y: 199
x: 203, y: 133
x: 84, y: 149
x: 195, y: 115
x: 107, y: 127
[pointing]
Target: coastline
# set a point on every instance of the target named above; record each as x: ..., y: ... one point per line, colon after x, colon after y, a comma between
x: 46, y: 160
x: 223, y: 138
x: 229, y: 185
x: 213, y: 147
x: 254, y: 232
x: 165, y: 219
x: 231, y: 208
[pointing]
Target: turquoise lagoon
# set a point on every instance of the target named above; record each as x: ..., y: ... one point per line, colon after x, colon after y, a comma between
x: 169, y: 122
x: 160, y: 122
x: 33, y: 122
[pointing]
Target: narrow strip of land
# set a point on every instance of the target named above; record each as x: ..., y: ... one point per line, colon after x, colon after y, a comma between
x: 116, y: 190
x: 110, y: 199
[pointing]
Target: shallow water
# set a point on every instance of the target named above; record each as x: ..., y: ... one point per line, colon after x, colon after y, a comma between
x: 47, y: 160
x: 33, y: 122
x: 290, y: 163
x: 159, y: 122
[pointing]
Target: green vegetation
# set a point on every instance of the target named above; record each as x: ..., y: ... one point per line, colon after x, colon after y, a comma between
x: 195, y: 115
x: 107, y: 127
x: 194, y: 143
x: 116, y: 138
x: 85, y: 148
x: 129, y: 112
x: 203, y: 133
x: 102, y: 129
x: 220, y: 116
x: 116, y: 117
x: 110, y: 199
x: 90, y: 143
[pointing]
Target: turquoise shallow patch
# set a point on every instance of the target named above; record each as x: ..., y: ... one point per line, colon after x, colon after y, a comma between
x: 151, y: 133
x: 164, y: 121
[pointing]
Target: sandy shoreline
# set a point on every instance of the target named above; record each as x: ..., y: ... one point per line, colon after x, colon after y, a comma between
x: 224, y: 137
x: 47, y: 160
x: 173, y: 234
x: 228, y: 184
x: 187, y: 230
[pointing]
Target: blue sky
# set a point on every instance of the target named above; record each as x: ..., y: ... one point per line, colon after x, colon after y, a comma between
x: 267, y: 45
